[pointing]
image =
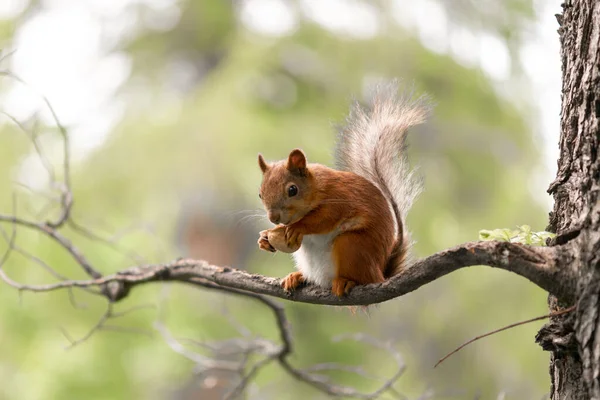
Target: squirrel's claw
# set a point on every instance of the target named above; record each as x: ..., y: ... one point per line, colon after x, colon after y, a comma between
x: 292, y: 281
x: 342, y: 286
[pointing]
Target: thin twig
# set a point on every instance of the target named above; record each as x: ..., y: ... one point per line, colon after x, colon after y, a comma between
x: 205, y: 362
x: 7, y: 55
x: 112, y: 244
x: 45, y: 266
x: 109, y: 314
x: 65, y: 187
x: 553, y: 314
x: 89, y: 334
x: 36, y: 145
x: 10, y: 248
x: 58, y: 237
x: 41, y: 263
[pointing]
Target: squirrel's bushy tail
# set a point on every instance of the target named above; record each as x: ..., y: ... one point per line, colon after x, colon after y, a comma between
x: 372, y: 144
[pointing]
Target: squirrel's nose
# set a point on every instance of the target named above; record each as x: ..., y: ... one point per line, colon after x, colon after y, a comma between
x: 274, y: 216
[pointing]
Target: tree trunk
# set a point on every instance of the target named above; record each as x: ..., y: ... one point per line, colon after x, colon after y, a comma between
x: 575, y: 340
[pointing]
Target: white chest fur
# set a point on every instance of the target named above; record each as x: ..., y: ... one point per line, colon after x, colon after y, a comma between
x: 314, y: 259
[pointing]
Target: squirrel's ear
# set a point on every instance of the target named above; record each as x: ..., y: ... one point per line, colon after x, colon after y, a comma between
x: 262, y: 164
x: 296, y: 163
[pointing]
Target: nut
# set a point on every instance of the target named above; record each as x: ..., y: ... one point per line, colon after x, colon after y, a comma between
x: 277, y: 240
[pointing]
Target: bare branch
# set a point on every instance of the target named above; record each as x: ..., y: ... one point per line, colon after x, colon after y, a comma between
x: 89, y: 334
x: 58, y: 237
x: 109, y: 314
x: 35, y: 259
x: 197, y: 358
x: 109, y: 242
x: 322, y: 383
x: 535, y: 263
x: 280, y: 353
x: 9, y: 249
x: 65, y: 187
x: 7, y: 55
x: 36, y: 145
x: 10, y: 242
x: 476, y: 338
x: 66, y: 193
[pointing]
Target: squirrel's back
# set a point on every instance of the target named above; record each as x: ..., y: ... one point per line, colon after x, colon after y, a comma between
x: 372, y: 144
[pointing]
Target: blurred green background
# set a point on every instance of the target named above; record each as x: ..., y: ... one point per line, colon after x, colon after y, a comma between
x: 203, y: 87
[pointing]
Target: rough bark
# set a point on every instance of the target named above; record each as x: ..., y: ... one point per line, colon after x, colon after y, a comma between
x: 575, y: 340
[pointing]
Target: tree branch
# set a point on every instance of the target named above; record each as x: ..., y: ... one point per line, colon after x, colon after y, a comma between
x: 538, y: 264
x: 62, y: 240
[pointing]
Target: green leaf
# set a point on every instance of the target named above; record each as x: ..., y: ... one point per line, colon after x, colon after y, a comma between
x: 523, y: 235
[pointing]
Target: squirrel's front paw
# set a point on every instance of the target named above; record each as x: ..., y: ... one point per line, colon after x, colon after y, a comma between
x: 293, y: 236
x: 292, y: 281
x: 263, y: 242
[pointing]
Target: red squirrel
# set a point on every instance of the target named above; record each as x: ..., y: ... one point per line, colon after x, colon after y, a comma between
x: 348, y: 221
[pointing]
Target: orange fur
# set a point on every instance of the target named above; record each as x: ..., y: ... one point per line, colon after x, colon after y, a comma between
x: 334, y: 200
x: 361, y: 251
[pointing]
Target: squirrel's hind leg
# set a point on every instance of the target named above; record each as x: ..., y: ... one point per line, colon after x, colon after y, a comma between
x: 355, y: 263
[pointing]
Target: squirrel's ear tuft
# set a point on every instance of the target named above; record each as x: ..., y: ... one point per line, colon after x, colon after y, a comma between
x: 262, y: 164
x: 296, y: 163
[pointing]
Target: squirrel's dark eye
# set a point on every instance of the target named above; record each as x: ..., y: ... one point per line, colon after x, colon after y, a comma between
x: 259, y: 196
x: 292, y: 190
